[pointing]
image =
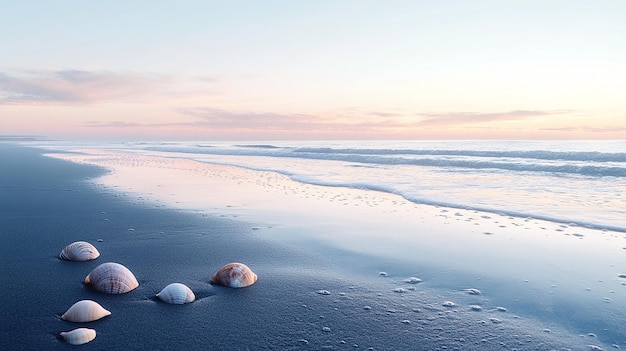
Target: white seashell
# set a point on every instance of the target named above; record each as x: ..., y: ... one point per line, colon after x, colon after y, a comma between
x: 79, y: 336
x: 79, y: 251
x: 112, y: 278
x: 85, y: 311
x: 176, y: 293
x: 234, y: 275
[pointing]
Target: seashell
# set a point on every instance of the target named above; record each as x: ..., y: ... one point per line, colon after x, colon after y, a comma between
x: 176, y: 293
x: 79, y: 336
x: 79, y: 251
x: 112, y: 278
x: 85, y: 311
x: 234, y: 275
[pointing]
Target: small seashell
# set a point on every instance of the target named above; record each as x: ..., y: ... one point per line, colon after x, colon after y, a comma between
x: 79, y: 336
x: 85, y: 311
x: 234, y: 275
x: 112, y: 278
x: 176, y: 293
x: 79, y: 251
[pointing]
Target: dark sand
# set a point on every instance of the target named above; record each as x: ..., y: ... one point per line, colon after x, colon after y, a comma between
x: 46, y: 204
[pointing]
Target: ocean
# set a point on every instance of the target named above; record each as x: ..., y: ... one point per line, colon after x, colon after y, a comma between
x: 536, y: 228
x: 578, y: 182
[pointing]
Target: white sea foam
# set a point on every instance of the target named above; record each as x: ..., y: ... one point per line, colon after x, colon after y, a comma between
x: 569, y: 182
x: 575, y: 182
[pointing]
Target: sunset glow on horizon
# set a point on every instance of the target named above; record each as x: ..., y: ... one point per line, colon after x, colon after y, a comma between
x: 314, y: 70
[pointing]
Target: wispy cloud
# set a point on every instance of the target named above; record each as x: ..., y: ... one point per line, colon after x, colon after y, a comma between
x: 587, y: 129
x: 219, y: 119
x: 458, y: 118
x: 352, y: 120
x: 222, y: 119
x: 79, y: 87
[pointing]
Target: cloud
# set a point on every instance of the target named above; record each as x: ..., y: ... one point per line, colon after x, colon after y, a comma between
x: 587, y: 129
x: 80, y: 87
x: 457, y: 118
x: 354, y: 122
x: 216, y: 118
x: 213, y: 119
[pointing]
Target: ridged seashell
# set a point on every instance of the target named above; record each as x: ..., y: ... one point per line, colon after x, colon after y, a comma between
x: 176, y: 293
x: 79, y: 251
x: 85, y: 311
x: 79, y: 336
x: 234, y: 275
x: 112, y: 278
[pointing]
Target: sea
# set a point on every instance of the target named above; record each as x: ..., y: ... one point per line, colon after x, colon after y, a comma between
x: 553, y: 213
x: 577, y: 182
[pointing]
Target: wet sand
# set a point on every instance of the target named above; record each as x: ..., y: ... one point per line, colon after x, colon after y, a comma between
x: 309, y: 295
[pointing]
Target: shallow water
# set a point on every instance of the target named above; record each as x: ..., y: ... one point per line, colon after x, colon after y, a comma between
x: 579, y: 182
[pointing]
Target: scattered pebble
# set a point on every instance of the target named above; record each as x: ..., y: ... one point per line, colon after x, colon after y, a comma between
x: 405, y: 321
x: 400, y: 290
x: 367, y: 308
x: 413, y: 280
x: 326, y: 329
x: 472, y: 291
x: 383, y: 274
x: 476, y: 308
x: 323, y: 292
x: 448, y: 304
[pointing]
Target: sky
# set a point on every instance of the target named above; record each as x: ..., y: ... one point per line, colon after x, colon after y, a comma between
x: 344, y: 69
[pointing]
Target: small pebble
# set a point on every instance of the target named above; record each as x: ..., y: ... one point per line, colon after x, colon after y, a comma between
x: 472, y: 291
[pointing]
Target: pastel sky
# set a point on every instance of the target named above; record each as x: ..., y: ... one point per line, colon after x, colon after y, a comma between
x: 344, y: 69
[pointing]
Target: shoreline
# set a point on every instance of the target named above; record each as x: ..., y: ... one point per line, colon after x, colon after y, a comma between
x: 168, y: 244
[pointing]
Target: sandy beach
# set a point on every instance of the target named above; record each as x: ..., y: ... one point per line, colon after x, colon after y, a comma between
x: 325, y: 281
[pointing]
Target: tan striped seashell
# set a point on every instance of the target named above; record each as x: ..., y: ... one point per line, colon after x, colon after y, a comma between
x: 234, y: 275
x: 79, y: 336
x: 112, y: 278
x: 79, y: 251
x: 85, y: 311
x: 176, y: 293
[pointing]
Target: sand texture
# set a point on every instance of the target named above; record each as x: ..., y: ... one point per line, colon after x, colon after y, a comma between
x: 310, y: 296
